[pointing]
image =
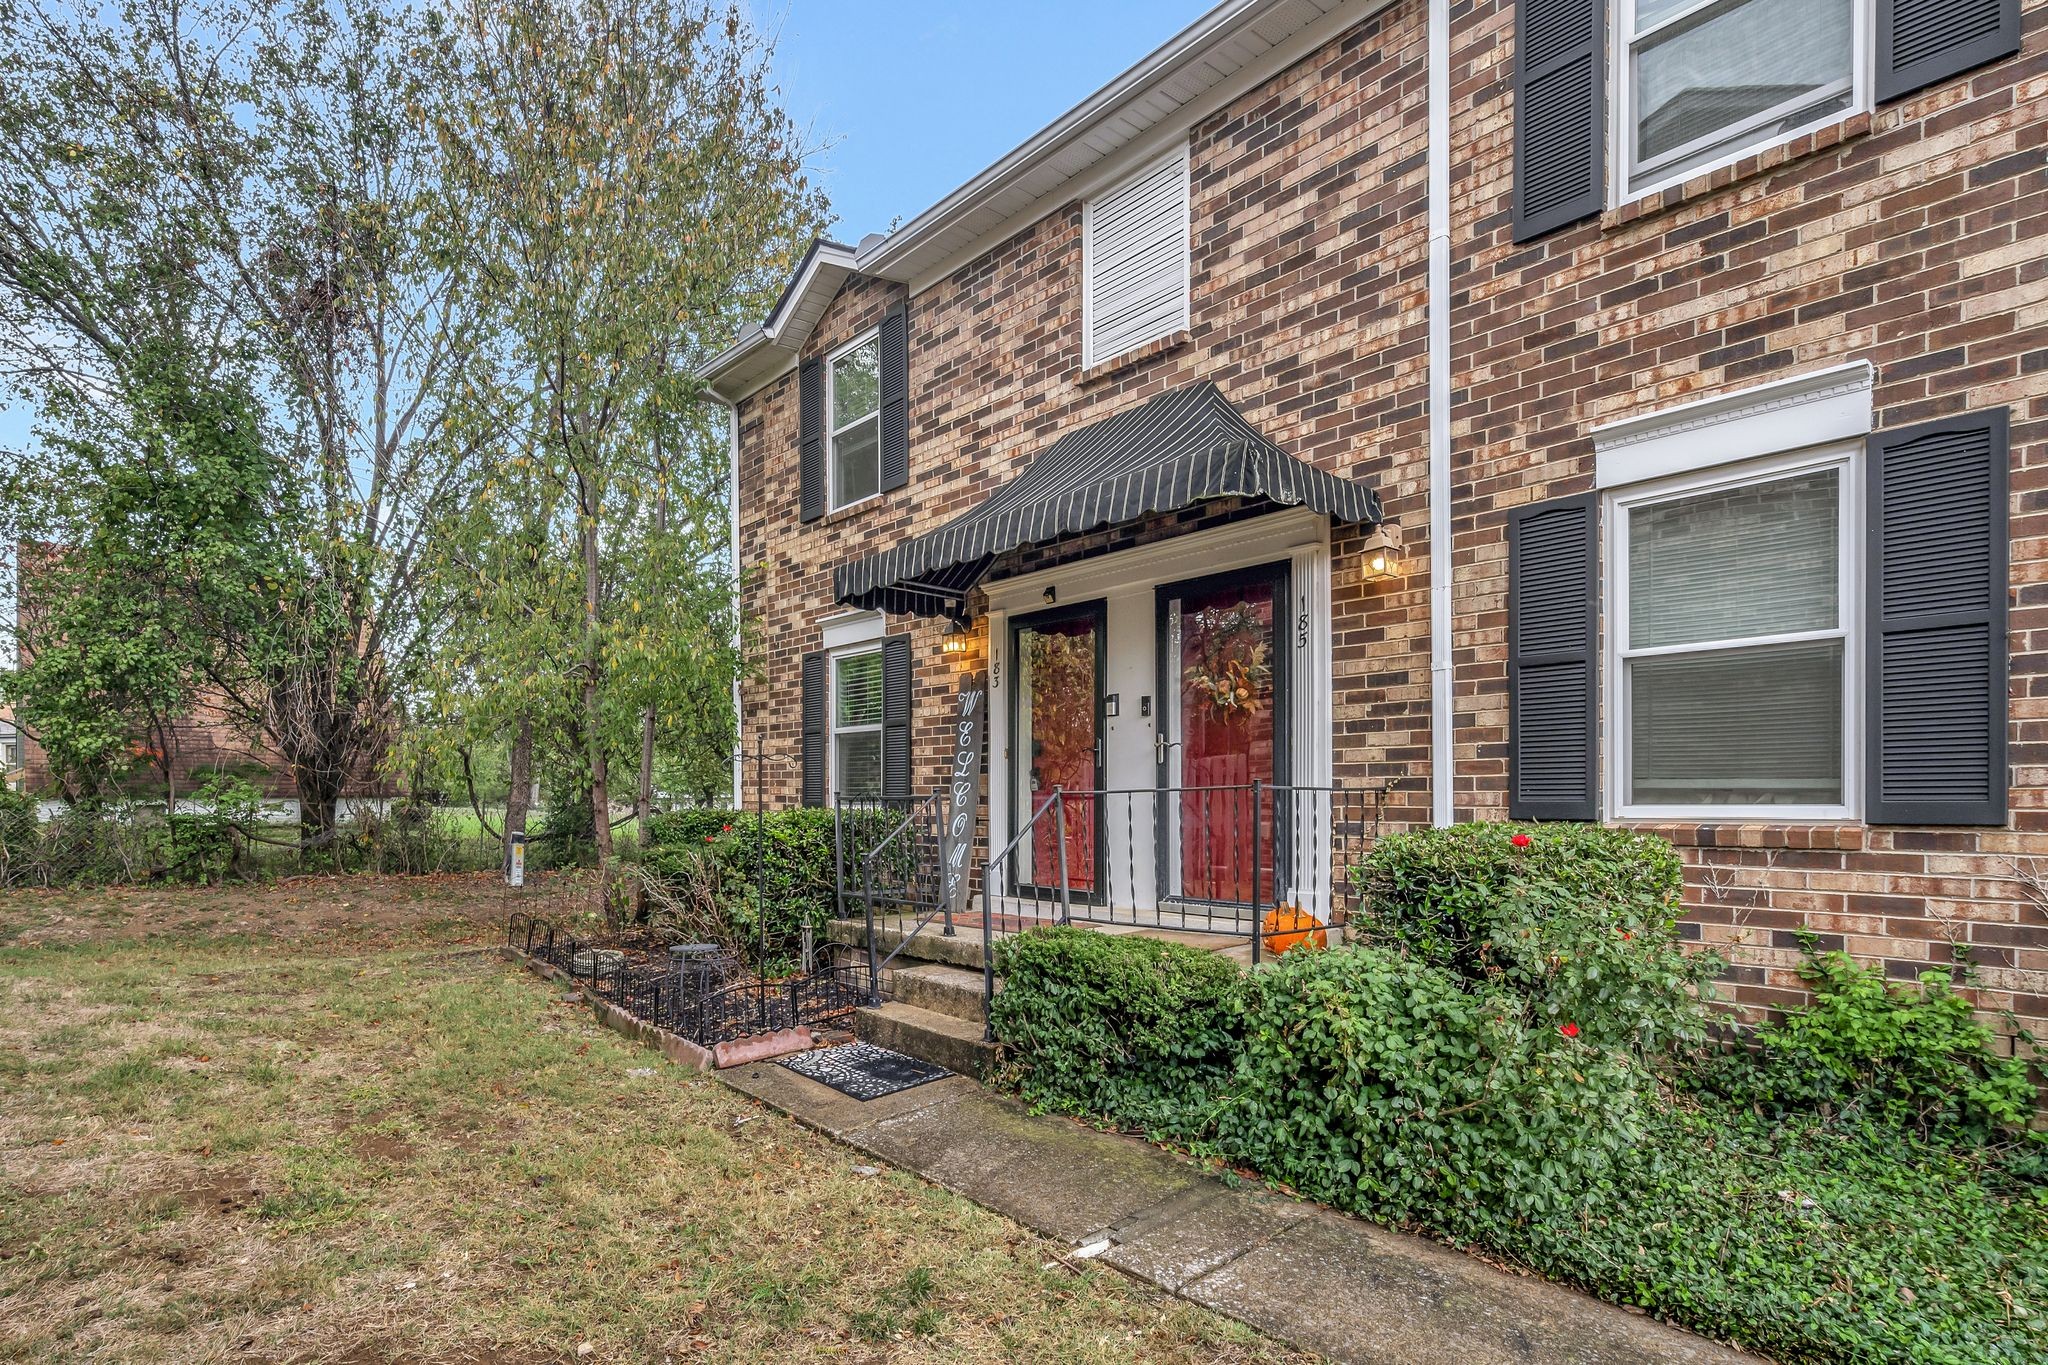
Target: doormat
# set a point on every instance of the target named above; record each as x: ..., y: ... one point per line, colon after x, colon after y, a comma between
x: 863, y: 1070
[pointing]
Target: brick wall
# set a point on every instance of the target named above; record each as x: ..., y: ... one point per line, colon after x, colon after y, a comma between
x: 1910, y: 238
x: 1306, y: 309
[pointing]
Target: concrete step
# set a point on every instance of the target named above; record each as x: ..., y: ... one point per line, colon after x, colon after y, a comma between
x: 956, y: 1044
x: 962, y: 949
x: 933, y: 986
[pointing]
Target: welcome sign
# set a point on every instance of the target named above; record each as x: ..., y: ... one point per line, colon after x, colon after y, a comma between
x: 963, y: 792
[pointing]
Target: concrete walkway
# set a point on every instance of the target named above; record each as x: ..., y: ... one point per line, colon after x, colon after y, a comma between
x: 1298, y: 1272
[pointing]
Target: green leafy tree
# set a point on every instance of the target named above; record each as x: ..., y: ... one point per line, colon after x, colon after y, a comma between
x: 209, y: 208
x: 635, y: 190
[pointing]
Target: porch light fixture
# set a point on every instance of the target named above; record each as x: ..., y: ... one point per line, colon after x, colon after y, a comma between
x: 955, y: 641
x: 1380, y: 557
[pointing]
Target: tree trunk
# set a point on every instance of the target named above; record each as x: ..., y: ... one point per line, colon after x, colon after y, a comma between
x: 319, y: 800
x: 593, y: 692
x: 643, y: 801
x: 519, y: 791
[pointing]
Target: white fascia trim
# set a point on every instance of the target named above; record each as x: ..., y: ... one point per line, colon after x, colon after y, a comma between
x: 1827, y: 405
x: 896, y: 257
x: 1186, y: 46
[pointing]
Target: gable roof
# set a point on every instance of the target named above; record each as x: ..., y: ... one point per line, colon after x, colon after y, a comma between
x: 1230, y: 49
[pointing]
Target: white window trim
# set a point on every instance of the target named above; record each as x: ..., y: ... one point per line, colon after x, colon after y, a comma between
x: 1849, y: 549
x: 833, y: 729
x: 832, y: 502
x: 1180, y: 150
x: 1621, y: 132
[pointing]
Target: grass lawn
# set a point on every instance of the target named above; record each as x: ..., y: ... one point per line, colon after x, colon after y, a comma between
x: 349, y: 1131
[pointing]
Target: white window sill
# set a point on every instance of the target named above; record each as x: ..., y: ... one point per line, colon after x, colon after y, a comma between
x: 1736, y: 815
x: 1709, y: 179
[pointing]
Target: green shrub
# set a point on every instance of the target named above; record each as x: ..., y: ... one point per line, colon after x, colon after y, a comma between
x: 687, y: 828
x: 18, y: 823
x: 1579, y: 921
x: 1116, y: 1025
x: 1914, y: 1057
x: 206, y: 841
x: 1379, y: 1083
x: 793, y: 847
x: 1813, y: 1241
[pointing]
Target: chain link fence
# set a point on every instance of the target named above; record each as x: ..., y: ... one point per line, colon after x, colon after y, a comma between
x: 144, y: 845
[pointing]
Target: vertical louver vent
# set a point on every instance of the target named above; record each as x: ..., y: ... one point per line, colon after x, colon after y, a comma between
x: 1135, y: 260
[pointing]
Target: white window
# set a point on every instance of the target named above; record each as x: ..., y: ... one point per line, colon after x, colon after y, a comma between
x: 1733, y: 660
x: 854, y: 401
x: 1134, y: 260
x: 857, y: 723
x: 1704, y: 82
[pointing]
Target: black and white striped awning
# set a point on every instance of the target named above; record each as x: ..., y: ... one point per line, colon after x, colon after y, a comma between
x: 1171, y: 452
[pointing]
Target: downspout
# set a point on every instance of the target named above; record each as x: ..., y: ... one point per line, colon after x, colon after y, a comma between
x: 1442, y: 772
x: 739, y: 724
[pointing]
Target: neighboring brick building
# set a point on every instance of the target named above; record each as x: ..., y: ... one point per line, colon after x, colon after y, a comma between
x: 1682, y: 357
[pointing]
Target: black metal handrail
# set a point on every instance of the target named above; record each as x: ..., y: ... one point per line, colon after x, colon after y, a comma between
x: 908, y: 853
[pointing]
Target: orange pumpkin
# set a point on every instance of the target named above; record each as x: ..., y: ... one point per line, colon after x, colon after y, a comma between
x: 1289, y: 926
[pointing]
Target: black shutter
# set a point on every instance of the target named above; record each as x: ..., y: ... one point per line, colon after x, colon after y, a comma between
x: 894, y: 380
x: 815, y: 674
x: 1553, y: 660
x: 1920, y: 42
x: 810, y: 410
x: 1560, y: 113
x: 1936, y: 659
x: 896, y: 717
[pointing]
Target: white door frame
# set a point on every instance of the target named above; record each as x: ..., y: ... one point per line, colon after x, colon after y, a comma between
x: 1126, y: 579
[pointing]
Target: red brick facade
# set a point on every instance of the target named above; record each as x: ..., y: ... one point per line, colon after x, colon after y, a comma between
x: 1911, y: 237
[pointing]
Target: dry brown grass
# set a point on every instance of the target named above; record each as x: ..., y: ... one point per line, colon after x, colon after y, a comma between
x: 381, y: 1143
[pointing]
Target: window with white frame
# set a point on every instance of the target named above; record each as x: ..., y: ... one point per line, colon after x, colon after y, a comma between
x: 1706, y: 81
x: 1134, y: 260
x: 1733, y: 611
x: 857, y: 723
x: 854, y: 400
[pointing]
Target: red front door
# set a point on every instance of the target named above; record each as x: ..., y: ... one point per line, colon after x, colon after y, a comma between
x: 1059, y: 662
x: 1225, y: 672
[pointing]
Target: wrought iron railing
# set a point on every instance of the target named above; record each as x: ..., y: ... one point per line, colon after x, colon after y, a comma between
x: 1254, y: 860
x: 887, y: 852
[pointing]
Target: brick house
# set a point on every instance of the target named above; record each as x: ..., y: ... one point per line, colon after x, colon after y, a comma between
x: 1633, y: 411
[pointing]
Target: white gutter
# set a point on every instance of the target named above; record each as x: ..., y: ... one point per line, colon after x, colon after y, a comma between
x: 1442, y: 759
x: 739, y: 727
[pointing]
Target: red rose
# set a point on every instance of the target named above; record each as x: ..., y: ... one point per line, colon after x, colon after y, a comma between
x: 727, y: 828
x: 710, y: 839
x: 1568, y: 1030
x: 1520, y: 841
x: 1625, y: 933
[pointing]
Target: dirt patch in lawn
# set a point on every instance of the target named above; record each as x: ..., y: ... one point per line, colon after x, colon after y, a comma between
x: 219, y: 1194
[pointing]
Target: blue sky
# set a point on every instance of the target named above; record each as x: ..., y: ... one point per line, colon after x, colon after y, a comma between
x: 917, y: 97
x: 914, y: 98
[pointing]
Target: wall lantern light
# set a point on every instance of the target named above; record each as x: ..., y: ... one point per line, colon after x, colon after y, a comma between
x: 955, y: 641
x: 1380, y: 557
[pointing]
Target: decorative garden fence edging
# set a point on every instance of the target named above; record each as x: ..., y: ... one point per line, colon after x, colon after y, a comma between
x: 703, y: 1008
